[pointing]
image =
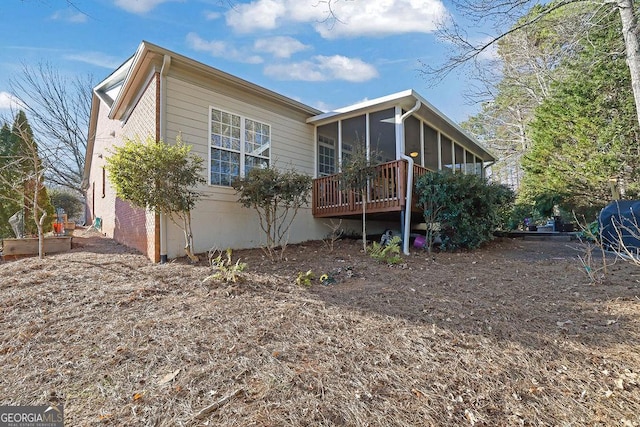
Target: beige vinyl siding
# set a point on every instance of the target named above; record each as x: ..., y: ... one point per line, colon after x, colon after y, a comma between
x: 218, y: 219
x: 188, y: 113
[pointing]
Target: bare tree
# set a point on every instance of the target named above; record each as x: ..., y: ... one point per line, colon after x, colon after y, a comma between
x: 59, y: 109
x: 509, y: 13
x: 515, y: 82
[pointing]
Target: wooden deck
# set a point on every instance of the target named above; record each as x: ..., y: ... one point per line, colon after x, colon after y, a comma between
x: 386, y: 193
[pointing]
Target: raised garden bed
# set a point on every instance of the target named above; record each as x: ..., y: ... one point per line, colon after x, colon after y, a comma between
x: 29, y: 245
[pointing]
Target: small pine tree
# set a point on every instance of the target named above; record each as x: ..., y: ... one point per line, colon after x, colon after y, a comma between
x: 9, y: 195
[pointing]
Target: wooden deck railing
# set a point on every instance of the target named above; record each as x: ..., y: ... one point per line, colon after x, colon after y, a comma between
x: 386, y: 192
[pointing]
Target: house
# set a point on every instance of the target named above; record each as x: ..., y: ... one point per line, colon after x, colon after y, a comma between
x: 236, y: 125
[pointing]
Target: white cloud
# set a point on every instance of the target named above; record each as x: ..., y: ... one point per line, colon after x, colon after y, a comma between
x: 257, y: 15
x: 139, y: 6
x: 324, y: 68
x: 9, y: 102
x: 95, y: 58
x: 211, y: 16
x: 68, y: 16
x: 490, y: 53
x: 322, y: 106
x: 355, y: 18
x: 280, y: 47
x: 221, y: 49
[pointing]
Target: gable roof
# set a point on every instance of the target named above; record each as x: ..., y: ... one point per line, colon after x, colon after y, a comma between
x: 120, y: 88
x: 407, y: 99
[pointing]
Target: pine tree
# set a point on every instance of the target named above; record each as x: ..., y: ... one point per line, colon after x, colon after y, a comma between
x: 22, y: 178
x: 9, y: 197
x: 585, y: 134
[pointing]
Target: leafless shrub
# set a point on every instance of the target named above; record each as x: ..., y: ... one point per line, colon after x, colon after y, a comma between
x: 595, y: 267
x: 335, y: 233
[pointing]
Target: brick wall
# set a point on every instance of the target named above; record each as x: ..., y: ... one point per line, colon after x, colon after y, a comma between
x: 133, y: 227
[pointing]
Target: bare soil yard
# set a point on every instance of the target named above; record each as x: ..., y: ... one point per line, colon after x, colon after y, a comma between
x: 510, y: 335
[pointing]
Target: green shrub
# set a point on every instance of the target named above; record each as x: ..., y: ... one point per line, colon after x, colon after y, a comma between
x: 389, y: 253
x: 65, y: 199
x: 304, y: 279
x: 224, y: 269
x: 160, y: 177
x: 514, y: 218
x: 276, y: 196
x: 467, y: 208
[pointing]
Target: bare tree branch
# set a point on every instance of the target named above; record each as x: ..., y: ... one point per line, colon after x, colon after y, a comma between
x: 508, y: 17
x: 59, y: 110
x: 465, y: 50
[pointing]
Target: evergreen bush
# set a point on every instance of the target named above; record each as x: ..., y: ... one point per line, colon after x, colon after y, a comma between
x: 467, y: 208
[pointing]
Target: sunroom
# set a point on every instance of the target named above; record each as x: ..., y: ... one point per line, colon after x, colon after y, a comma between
x: 407, y: 136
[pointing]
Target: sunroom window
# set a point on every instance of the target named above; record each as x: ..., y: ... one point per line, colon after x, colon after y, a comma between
x: 431, y: 148
x: 459, y: 158
x: 446, y: 152
x: 237, y: 144
x: 326, y: 155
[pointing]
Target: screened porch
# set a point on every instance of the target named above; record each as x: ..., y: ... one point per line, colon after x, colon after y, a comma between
x: 392, y: 132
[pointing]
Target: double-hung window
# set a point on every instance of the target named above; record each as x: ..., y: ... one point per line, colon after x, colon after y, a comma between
x: 326, y: 155
x: 238, y: 144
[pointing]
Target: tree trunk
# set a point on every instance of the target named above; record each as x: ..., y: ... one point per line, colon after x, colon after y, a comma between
x: 188, y: 236
x: 364, y: 219
x: 632, y: 46
x: 40, y: 225
x: 39, y: 222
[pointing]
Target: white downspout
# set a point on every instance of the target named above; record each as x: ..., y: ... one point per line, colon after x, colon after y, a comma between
x: 408, y: 199
x: 166, y: 63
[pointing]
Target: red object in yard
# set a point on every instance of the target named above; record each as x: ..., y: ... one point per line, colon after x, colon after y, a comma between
x: 58, y: 227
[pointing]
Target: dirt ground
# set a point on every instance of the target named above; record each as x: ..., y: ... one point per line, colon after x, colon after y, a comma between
x: 510, y: 335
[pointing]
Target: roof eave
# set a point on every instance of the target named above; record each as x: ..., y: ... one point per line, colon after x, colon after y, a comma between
x: 93, y: 122
x: 406, y: 98
x: 148, y: 52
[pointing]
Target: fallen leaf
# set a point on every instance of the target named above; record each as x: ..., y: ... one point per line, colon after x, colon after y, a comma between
x: 472, y: 418
x: 535, y: 389
x: 137, y: 396
x: 169, y: 377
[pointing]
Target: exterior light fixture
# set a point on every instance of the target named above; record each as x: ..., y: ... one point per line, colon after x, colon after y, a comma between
x: 414, y: 154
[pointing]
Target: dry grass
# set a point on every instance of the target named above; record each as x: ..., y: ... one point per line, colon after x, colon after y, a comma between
x: 512, y: 335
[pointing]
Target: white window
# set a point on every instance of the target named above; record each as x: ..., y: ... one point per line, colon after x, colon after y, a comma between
x: 326, y: 155
x: 237, y: 145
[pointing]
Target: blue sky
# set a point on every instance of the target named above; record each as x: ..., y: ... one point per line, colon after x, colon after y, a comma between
x: 289, y: 46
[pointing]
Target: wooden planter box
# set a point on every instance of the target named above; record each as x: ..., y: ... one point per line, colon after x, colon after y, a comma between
x: 29, y: 246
